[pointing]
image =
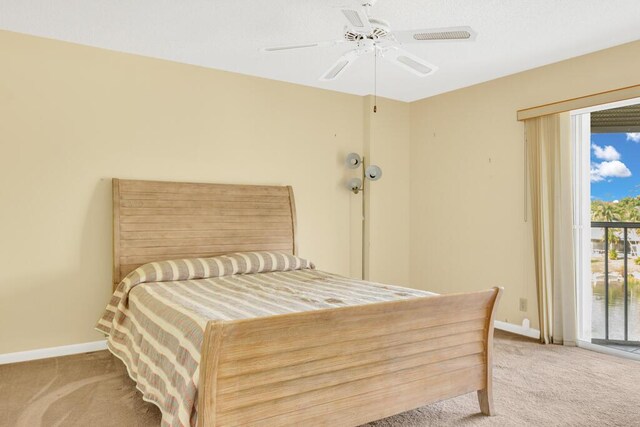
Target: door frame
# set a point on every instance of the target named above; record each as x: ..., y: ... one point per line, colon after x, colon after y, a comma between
x: 581, y: 138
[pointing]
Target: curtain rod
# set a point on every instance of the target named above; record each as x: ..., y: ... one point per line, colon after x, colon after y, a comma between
x: 599, y: 98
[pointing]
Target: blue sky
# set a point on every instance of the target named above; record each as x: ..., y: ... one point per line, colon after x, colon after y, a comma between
x: 615, y: 165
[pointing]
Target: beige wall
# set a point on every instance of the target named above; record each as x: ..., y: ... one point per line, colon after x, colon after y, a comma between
x: 467, y: 182
x: 73, y: 117
x: 387, y: 144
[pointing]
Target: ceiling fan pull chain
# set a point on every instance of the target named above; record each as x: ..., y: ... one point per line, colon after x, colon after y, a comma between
x: 375, y: 79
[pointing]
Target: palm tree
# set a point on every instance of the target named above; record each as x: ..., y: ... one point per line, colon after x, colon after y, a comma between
x: 603, y: 211
x: 607, y: 212
x: 631, y: 214
x: 627, y: 209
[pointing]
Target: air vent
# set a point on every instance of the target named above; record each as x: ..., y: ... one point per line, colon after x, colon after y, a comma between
x: 444, y: 35
x: 421, y: 68
x: 353, y: 17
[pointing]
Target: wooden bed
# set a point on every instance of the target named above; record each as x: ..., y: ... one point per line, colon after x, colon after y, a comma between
x: 340, y: 366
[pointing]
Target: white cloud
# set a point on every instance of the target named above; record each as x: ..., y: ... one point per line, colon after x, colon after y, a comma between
x: 607, y: 153
x: 633, y: 136
x: 612, y: 169
x: 595, y: 177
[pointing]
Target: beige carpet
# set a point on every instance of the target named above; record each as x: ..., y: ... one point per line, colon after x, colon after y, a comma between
x: 534, y: 385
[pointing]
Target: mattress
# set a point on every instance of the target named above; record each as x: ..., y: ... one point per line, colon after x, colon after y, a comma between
x: 157, y: 315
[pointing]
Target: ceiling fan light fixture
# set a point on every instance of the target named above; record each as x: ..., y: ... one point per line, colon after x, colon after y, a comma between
x: 443, y: 35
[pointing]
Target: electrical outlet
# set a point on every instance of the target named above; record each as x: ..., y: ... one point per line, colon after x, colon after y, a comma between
x: 523, y: 304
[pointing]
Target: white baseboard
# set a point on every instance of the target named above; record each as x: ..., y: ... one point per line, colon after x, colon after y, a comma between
x: 516, y: 329
x: 44, y: 353
x: 65, y: 350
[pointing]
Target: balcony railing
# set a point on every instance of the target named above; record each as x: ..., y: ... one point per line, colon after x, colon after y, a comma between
x: 613, y: 282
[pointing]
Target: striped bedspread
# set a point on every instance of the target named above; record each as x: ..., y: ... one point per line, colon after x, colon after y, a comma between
x: 156, y: 318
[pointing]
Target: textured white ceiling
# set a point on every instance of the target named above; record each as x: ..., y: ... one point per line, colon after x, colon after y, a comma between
x: 513, y: 35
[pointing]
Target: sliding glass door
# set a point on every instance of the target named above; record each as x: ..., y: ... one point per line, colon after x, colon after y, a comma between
x: 607, y: 224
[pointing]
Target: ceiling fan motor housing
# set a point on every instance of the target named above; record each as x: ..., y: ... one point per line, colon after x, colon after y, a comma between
x: 379, y: 29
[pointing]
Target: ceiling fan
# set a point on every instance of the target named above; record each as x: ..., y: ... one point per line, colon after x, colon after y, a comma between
x: 365, y: 34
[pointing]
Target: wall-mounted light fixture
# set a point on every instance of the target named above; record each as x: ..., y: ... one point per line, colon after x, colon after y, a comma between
x: 353, y: 160
x: 371, y: 172
x: 356, y: 185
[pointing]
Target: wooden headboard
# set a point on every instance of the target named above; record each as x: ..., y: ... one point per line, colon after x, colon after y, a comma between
x: 155, y: 220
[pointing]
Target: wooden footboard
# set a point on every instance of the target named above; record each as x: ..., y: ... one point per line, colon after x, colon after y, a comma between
x: 347, y: 366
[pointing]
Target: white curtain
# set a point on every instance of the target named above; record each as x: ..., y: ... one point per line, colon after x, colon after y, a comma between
x: 549, y: 155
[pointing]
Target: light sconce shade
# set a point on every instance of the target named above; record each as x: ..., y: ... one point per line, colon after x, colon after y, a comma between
x: 373, y: 172
x: 355, y: 185
x: 353, y: 160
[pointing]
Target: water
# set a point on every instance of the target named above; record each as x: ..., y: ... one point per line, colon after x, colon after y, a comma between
x: 616, y: 312
x: 616, y: 270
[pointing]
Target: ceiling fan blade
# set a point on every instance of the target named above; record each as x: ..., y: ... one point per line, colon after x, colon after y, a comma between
x: 340, y: 65
x: 409, y: 62
x: 447, y: 34
x: 357, y: 18
x: 300, y: 46
x: 288, y: 47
